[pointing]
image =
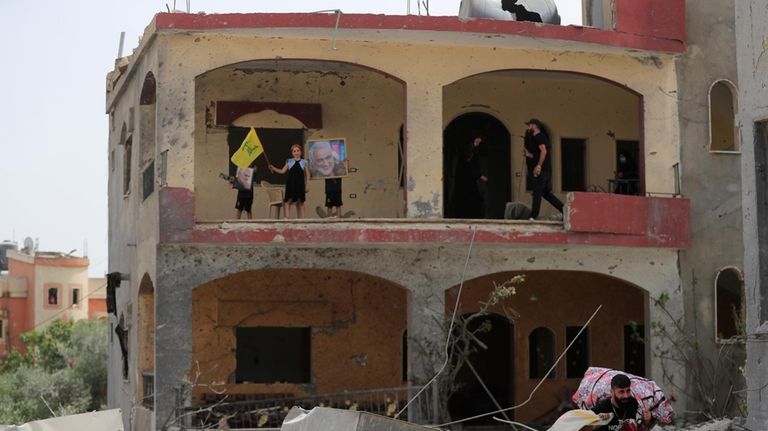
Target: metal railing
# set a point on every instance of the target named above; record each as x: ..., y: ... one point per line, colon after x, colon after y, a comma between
x: 270, y: 413
x: 624, y: 186
x: 148, y: 390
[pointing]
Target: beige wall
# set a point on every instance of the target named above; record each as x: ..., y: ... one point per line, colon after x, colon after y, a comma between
x: 367, y: 109
x: 426, y: 69
x: 66, y: 278
x: 573, y: 107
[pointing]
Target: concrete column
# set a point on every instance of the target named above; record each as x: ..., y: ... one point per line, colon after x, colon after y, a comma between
x: 426, y: 346
x: 424, y: 148
x: 173, y: 341
x: 751, y: 28
x: 669, y: 374
x: 176, y: 117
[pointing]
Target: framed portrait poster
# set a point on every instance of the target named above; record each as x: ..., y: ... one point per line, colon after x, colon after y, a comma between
x: 327, y: 158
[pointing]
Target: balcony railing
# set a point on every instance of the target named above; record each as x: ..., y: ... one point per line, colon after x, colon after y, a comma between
x: 270, y: 413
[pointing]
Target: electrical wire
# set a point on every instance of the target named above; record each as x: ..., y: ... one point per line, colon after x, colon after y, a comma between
x: 60, y: 312
x: 530, y: 396
x: 450, y: 327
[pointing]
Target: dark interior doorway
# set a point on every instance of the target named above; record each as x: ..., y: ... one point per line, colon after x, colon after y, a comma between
x: 761, y: 211
x: 457, y: 137
x: 627, y: 168
x: 494, y: 365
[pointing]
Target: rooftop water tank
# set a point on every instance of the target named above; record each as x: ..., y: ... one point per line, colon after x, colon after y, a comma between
x: 495, y: 9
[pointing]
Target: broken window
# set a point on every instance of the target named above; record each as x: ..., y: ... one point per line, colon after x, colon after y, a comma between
x: 634, y: 349
x: 722, y: 117
x: 272, y: 354
x: 729, y: 316
x: 577, y: 357
x: 541, y: 353
x: 573, y: 154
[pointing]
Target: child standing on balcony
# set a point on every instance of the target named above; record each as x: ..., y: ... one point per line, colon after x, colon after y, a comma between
x: 297, y: 185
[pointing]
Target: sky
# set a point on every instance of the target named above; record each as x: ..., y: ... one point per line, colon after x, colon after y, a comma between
x: 53, y: 144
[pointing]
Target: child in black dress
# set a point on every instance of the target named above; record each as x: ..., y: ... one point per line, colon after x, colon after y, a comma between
x: 297, y: 185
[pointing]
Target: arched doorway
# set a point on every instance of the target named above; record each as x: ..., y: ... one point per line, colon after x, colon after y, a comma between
x: 457, y: 137
x: 544, y: 315
x: 493, y: 365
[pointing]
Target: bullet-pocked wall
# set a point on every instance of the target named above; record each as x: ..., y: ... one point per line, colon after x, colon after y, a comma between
x: 429, y: 69
x: 561, y: 302
x: 355, y: 325
x: 571, y: 105
x: 363, y: 106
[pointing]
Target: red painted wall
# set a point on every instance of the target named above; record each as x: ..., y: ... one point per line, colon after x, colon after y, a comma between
x: 637, y: 29
x: 16, y: 323
x: 27, y: 270
x: 592, y: 219
x: 656, y: 18
x: 663, y: 222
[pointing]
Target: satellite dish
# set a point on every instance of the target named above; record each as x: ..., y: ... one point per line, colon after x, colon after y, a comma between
x: 28, y: 244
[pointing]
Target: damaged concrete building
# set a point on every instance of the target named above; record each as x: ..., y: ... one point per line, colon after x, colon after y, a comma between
x: 208, y: 306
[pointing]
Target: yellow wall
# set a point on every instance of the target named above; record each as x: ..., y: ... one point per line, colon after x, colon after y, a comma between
x: 572, y: 107
x: 364, y: 107
x: 426, y: 68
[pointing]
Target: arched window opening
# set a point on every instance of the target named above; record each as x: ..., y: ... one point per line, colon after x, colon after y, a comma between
x: 541, y: 353
x: 729, y: 297
x: 722, y: 117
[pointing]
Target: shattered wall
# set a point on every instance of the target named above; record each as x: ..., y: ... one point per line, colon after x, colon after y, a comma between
x: 425, y: 271
x: 357, y: 324
x: 426, y: 66
x: 429, y: 70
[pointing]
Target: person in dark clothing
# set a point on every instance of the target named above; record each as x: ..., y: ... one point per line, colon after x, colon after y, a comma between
x: 470, y: 178
x: 536, y: 150
x: 521, y: 13
x: 297, y: 185
x: 243, y: 182
x: 623, y: 406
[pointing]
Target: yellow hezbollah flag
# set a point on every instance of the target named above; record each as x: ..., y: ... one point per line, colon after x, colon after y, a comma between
x: 249, y: 150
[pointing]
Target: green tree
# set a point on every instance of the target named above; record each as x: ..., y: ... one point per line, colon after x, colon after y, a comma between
x: 62, y: 372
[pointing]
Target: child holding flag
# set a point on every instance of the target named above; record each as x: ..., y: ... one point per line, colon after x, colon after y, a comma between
x: 244, y: 158
x: 298, y: 181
